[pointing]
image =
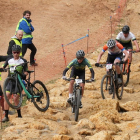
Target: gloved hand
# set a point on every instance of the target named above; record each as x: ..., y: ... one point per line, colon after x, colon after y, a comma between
x: 64, y: 77
x: 122, y: 62
x: 23, y: 76
x: 97, y: 64
x: 92, y: 79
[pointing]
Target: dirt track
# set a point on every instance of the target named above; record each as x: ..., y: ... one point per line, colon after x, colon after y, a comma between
x: 58, y: 22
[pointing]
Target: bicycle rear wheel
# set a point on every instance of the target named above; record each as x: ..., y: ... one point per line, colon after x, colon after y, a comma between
x: 126, y: 73
x: 77, y: 104
x: 12, y: 95
x: 41, y: 102
x: 119, y: 88
x: 107, y: 90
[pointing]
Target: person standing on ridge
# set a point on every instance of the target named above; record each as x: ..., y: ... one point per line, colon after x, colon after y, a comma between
x: 25, y: 25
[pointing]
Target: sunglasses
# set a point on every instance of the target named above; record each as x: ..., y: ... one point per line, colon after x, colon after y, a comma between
x: 16, y: 52
x: 112, y: 47
x: 80, y: 58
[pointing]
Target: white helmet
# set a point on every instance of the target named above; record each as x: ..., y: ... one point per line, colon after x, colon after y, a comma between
x: 111, y: 43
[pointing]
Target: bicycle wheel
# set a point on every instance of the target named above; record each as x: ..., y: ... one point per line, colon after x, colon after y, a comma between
x: 107, y: 90
x: 119, y: 88
x: 41, y: 102
x: 126, y: 73
x: 12, y: 95
x: 77, y: 101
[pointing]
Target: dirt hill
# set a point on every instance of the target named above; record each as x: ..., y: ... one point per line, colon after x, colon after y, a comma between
x: 63, y: 21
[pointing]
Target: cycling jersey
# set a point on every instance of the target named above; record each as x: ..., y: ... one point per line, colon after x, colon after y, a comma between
x: 12, y: 62
x: 122, y: 39
x: 118, y: 49
x: 79, y: 66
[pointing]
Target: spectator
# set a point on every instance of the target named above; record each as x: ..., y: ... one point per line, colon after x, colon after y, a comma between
x: 16, y: 39
x: 25, y: 25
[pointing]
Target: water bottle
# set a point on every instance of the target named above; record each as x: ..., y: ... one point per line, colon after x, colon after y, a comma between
x: 24, y: 83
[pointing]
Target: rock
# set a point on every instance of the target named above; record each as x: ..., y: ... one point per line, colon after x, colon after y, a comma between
x: 85, y: 132
x: 131, y: 106
x: 103, y: 135
x: 105, y: 121
x: 85, y: 123
x: 62, y: 137
x: 129, y: 90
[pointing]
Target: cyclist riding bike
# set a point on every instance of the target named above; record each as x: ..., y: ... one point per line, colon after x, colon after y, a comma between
x: 125, y: 37
x: 114, y: 55
x: 78, y: 69
x: 14, y: 61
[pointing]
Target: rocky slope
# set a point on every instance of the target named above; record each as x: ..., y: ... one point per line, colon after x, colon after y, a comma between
x: 98, y: 119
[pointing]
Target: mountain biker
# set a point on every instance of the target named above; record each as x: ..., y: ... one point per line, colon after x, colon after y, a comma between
x: 78, y: 69
x: 115, y: 50
x: 13, y: 61
x: 125, y: 37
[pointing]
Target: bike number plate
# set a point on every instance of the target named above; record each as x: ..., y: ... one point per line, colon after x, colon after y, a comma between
x: 78, y: 81
x: 12, y: 69
x: 109, y: 66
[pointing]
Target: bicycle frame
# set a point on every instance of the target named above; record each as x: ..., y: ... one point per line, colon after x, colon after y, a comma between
x: 24, y: 88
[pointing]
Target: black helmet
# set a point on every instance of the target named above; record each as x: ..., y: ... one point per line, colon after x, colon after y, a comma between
x: 111, y: 43
x: 125, y: 29
x: 80, y: 54
x: 16, y: 48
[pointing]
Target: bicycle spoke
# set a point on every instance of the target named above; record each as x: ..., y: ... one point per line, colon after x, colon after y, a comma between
x: 41, y: 96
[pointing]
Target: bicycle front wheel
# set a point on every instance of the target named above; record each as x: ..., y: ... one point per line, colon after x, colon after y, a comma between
x: 107, y: 87
x: 12, y: 94
x: 119, y: 88
x: 40, y: 95
x: 77, y: 104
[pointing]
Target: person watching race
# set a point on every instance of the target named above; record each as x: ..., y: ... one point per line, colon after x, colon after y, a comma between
x: 13, y: 61
x: 125, y: 37
x: 115, y: 54
x: 78, y: 69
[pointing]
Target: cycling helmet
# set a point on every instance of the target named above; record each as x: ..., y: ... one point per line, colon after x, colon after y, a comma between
x: 125, y: 29
x: 111, y: 43
x: 80, y: 54
x: 16, y: 48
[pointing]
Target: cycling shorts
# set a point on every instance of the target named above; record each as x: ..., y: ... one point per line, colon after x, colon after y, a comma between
x: 127, y: 45
x: 111, y: 58
x: 11, y: 88
x: 80, y: 73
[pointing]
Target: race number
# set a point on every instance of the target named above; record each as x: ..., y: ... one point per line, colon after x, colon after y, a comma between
x: 78, y: 81
x: 12, y: 69
x: 109, y: 66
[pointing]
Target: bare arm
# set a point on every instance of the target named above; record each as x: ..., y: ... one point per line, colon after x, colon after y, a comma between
x: 126, y: 55
x: 137, y: 45
x: 99, y: 57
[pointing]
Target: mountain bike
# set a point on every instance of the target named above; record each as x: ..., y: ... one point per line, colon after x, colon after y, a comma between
x: 36, y: 92
x: 110, y: 85
x: 125, y: 70
x: 77, y: 93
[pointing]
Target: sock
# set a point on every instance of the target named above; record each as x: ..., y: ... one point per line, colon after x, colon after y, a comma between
x: 6, y: 113
x: 19, y: 113
x: 70, y: 95
x: 80, y: 97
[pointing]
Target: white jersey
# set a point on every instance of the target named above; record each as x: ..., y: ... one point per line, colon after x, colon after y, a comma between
x: 120, y: 37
